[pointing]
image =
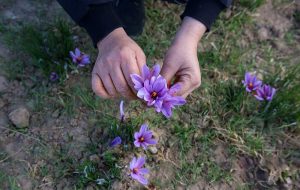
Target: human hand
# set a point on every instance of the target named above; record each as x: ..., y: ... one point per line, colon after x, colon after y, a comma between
x: 181, y: 61
x: 119, y: 56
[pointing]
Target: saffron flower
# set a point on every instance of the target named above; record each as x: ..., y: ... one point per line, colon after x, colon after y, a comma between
x: 154, y: 91
x: 144, y: 137
x: 266, y: 92
x: 152, y: 88
x: 80, y: 58
x: 115, y: 142
x: 251, y: 82
x: 170, y: 101
x: 53, y: 76
x: 122, y: 114
x: 147, y: 74
x: 137, y: 171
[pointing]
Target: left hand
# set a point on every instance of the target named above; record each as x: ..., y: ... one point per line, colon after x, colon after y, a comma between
x: 181, y: 61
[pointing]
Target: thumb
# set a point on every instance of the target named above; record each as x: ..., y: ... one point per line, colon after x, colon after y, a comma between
x: 185, y: 86
x: 169, y: 71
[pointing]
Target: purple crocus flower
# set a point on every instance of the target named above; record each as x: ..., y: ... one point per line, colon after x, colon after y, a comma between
x: 115, y: 142
x: 80, y: 58
x: 147, y: 74
x: 137, y: 171
x: 251, y: 82
x: 144, y: 137
x: 170, y: 101
x: 122, y: 114
x: 53, y: 76
x: 154, y: 91
x: 266, y: 92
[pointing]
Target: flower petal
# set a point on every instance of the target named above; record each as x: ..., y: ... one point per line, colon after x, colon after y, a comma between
x: 140, y: 162
x: 132, y: 163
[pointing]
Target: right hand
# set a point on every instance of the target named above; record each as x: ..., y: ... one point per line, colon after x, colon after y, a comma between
x: 119, y: 56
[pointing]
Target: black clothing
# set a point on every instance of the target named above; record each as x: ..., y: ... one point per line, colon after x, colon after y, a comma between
x: 100, y: 17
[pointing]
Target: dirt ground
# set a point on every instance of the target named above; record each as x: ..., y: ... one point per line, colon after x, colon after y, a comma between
x: 45, y: 154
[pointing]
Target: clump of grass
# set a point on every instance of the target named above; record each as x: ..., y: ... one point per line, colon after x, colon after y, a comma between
x: 90, y: 172
x: 251, y: 4
x: 49, y: 47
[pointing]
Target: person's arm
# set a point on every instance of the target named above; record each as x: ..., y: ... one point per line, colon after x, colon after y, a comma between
x: 119, y: 56
x: 205, y: 11
x: 181, y: 61
x: 98, y: 17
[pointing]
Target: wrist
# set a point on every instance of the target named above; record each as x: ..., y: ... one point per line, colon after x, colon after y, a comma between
x: 190, y: 32
x: 117, y: 33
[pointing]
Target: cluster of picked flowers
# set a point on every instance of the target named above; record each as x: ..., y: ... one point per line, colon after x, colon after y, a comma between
x: 142, y: 139
x: 79, y: 58
x: 152, y: 88
x: 261, y: 92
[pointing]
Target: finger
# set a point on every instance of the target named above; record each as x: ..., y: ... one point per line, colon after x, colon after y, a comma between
x: 188, y: 84
x: 168, y: 71
x: 129, y: 66
x: 141, y: 59
x: 98, y: 87
x: 121, y: 85
x: 109, y: 85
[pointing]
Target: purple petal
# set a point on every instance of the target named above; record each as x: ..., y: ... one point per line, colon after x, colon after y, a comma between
x: 140, y: 178
x: 137, y: 143
x: 133, y: 163
x: 140, y: 162
x: 258, y: 98
x: 143, y: 128
x: 158, y: 104
x: 85, y: 59
x: 145, y: 72
x: 174, y: 89
x: 77, y: 52
x: 144, y: 145
x: 137, y: 135
x: 156, y: 70
x: 167, y: 111
x: 137, y: 81
x: 248, y: 77
x: 122, y: 114
x: 72, y: 54
x: 152, y: 141
x: 115, y: 142
x: 147, y: 85
x: 143, y: 171
x: 141, y: 93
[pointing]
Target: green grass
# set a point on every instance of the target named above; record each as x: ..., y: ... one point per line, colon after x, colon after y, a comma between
x: 8, y: 182
x: 220, y: 111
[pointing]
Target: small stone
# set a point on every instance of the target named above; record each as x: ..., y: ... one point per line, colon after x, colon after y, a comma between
x: 2, y: 103
x: 56, y: 113
x: 3, y: 84
x: 74, y: 122
x: 153, y: 150
x: 117, y: 185
x: 20, y: 117
x: 3, y: 119
x: 263, y: 34
x: 94, y: 158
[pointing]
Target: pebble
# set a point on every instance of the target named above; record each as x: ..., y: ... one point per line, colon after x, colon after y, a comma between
x: 3, y: 84
x: 56, y: 113
x: 20, y: 117
x: 3, y: 119
x: 94, y: 158
x: 153, y: 150
x: 2, y: 103
x: 263, y: 34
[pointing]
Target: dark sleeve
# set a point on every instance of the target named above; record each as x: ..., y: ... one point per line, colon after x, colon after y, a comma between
x: 98, y: 17
x: 206, y: 11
